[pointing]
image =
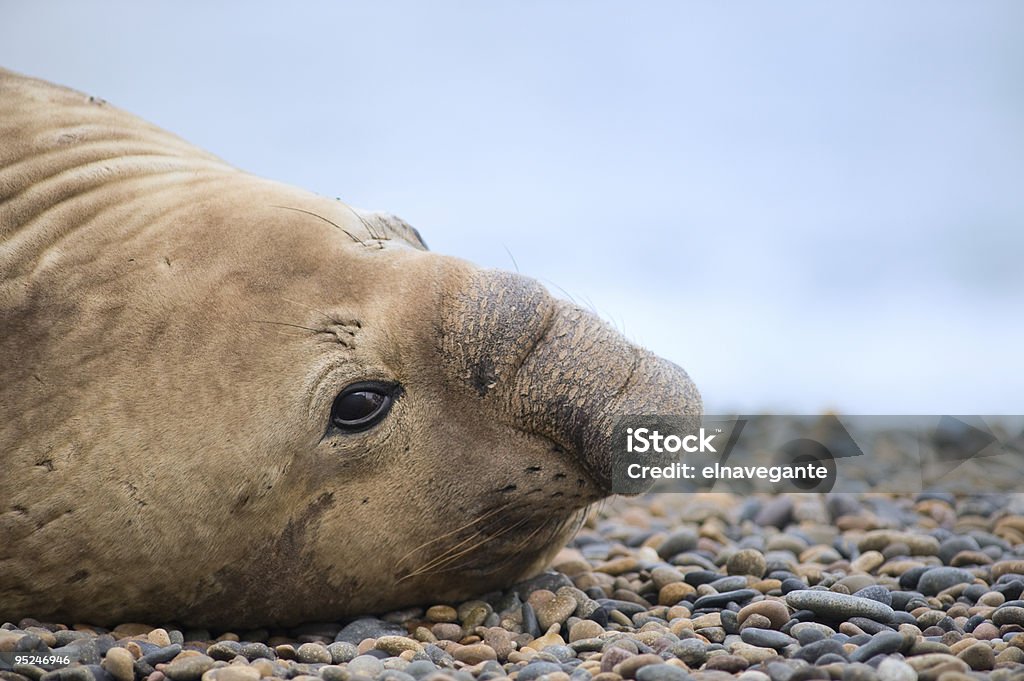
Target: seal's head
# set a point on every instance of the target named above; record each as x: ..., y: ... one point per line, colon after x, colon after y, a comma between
x: 231, y: 402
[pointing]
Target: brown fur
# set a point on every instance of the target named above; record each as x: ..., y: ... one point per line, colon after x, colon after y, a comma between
x: 173, y: 332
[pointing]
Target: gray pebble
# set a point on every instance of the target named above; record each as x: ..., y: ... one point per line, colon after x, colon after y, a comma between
x: 535, y: 670
x: 838, y: 606
x: 189, y: 668
x: 661, y: 672
x: 1008, y: 614
x: 368, y: 627
x: 892, y: 669
x: 312, y: 653
x: 225, y: 650
x: 766, y: 638
x: 941, y: 578
x: 691, y: 651
x: 678, y: 542
x: 367, y: 665
x: 420, y: 668
x: 342, y: 651
x: 875, y: 593
x: 812, y: 652
x: 882, y: 643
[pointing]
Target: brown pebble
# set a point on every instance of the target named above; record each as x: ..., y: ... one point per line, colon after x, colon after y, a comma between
x: 234, y: 672
x: 776, y: 611
x: 1011, y: 655
x: 992, y: 599
x: 727, y: 663
x: 606, y: 676
x: 500, y: 640
x: 673, y: 593
x: 929, y: 660
x: 746, y: 562
x: 442, y: 613
x: 986, y: 631
x: 265, y: 667
x: 130, y: 629
x: 447, y: 631
x: 756, y: 621
x: 868, y: 561
x: 159, y: 637
x: 475, y: 654
x: 394, y: 645
x: 424, y: 635
x: 628, y: 667
x: 970, y: 558
x: 552, y: 608
x: 979, y: 656
x: 619, y: 566
x: 187, y: 667
x: 712, y: 619
x: 119, y: 663
x: 585, y: 629
x: 1007, y: 567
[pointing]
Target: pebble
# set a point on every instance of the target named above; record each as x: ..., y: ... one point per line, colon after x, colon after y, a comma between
x: 475, y: 653
x: 119, y: 663
x: 189, y: 668
x: 766, y: 638
x: 774, y: 610
x: 312, y: 653
x: 979, y: 657
x: 661, y: 672
x: 342, y: 651
x: 368, y: 627
x: 552, y: 608
x: 442, y: 613
x: 584, y: 629
x: 941, y: 578
x: 365, y: 665
x: 235, y: 672
x: 628, y: 667
x: 882, y: 643
x: 535, y: 670
x: 746, y: 562
x: 839, y: 606
x: 892, y: 669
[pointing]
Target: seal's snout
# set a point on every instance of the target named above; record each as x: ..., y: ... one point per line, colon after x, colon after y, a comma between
x: 556, y: 370
x: 583, y: 378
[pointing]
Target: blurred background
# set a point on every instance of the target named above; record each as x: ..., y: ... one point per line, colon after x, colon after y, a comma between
x: 806, y: 205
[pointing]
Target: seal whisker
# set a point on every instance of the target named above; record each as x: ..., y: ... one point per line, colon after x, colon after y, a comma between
x: 435, y: 565
x: 316, y: 215
x: 505, y: 530
x: 296, y: 326
x: 444, y: 557
x: 308, y: 307
x: 476, y: 520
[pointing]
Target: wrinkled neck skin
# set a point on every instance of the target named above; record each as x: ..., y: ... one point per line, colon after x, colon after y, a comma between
x: 174, y: 333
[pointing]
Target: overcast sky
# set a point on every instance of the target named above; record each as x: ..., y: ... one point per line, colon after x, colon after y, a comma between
x: 805, y: 204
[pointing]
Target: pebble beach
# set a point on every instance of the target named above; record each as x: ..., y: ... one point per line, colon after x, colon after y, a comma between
x: 662, y: 587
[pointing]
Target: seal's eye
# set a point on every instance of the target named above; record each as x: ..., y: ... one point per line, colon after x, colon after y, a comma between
x: 362, y: 405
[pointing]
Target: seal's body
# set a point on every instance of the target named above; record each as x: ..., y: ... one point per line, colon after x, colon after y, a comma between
x: 226, y: 401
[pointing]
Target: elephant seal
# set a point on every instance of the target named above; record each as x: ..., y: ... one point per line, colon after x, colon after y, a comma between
x: 231, y: 402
